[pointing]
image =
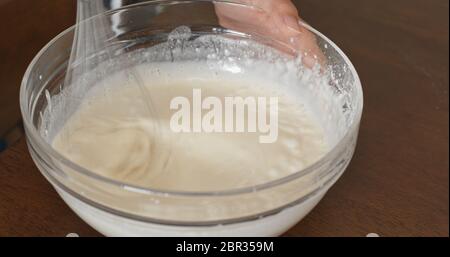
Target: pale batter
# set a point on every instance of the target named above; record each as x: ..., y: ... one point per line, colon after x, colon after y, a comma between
x: 121, y: 131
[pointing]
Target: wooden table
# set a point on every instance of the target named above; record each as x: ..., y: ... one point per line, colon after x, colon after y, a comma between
x: 397, y: 183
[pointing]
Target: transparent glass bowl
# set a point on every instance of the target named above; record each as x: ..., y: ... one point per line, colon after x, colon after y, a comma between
x: 115, y: 208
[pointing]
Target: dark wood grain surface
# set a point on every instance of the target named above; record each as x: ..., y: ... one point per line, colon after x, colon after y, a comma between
x: 396, y: 185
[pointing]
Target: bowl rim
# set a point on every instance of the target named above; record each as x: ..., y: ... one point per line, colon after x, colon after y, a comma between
x: 32, y: 131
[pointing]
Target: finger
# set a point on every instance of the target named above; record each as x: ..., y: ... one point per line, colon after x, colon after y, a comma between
x: 248, y: 15
x: 274, y: 19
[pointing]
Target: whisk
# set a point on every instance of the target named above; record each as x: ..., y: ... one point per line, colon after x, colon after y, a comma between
x: 99, y: 34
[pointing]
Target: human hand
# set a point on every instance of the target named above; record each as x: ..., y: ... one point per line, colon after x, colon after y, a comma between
x: 275, y: 19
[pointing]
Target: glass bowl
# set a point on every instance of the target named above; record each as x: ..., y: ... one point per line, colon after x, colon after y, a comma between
x: 115, y: 208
